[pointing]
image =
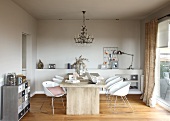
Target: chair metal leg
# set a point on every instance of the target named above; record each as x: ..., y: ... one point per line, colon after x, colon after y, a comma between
x: 62, y: 102
x: 111, y: 100
x: 129, y: 103
x: 123, y: 100
x: 126, y: 102
x: 107, y: 98
x: 114, y: 105
x: 52, y: 101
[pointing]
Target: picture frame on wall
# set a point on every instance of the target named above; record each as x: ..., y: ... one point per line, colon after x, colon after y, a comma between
x: 109, y: 58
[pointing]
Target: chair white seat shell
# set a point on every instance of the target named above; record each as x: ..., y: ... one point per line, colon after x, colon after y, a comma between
x: 59, y: 77
x: 55, y: 87
x: 56, y: 80
x: 121, y: 89
x: 111, y: 82
x: 111, y: 78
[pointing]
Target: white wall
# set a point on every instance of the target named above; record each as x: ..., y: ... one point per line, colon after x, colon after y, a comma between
x: 13, y: 21
x: 55, y: 41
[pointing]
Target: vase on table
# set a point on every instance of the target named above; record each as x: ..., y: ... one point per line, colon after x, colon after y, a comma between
x: 79, y: 69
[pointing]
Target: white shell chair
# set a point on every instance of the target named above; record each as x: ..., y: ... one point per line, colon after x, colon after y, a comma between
x: 112, y: 81
x: 111, y: 78
x: 58, y: 79
x: 121, y: 89
x: 52, y: 89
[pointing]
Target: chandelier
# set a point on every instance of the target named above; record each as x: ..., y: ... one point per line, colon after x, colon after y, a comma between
x: 83, y: 38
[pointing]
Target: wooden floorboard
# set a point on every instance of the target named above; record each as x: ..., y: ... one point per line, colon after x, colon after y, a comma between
x: 41, y: 111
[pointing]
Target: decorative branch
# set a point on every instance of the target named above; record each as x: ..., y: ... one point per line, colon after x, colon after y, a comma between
x: 79, y: 61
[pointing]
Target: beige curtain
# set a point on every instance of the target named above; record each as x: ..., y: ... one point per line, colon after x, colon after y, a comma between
x: 150, y: 56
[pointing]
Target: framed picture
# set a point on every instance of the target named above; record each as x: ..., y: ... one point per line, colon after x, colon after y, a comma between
x: 109, y: 57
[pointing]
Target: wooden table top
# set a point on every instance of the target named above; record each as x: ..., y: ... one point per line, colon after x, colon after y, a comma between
x: 82, y: 83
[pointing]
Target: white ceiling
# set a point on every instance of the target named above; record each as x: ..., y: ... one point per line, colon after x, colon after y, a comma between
x: 95, y: 9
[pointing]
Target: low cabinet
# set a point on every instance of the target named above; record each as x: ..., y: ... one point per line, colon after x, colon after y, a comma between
x: 16, y: 101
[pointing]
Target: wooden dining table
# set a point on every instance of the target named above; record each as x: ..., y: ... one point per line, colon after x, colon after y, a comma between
x: 82, y: 98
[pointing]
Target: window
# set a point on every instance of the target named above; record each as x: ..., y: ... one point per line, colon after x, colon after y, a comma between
x: 162, y: 75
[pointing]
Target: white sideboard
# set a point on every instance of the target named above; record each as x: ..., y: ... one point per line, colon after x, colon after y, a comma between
x: 47, y: 74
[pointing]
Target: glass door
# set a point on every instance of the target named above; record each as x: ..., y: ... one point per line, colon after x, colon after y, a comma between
x: 162, y: 75
x: 165, y: 74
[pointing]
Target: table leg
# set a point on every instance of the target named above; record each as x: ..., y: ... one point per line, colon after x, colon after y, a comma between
x: 82, y: 101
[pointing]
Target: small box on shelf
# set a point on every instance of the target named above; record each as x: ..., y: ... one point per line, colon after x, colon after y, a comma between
x: 51, y: 66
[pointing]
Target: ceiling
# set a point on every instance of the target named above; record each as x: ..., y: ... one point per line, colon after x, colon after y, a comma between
x: 95, y: 9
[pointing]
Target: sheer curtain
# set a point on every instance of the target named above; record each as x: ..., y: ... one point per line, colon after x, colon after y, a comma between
x: 150, y: 56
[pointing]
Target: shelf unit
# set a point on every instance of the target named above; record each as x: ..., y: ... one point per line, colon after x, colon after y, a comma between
x: 48, y: 74
x: 136, y: 83
x: 16, y: 101
x: 135, y: 87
